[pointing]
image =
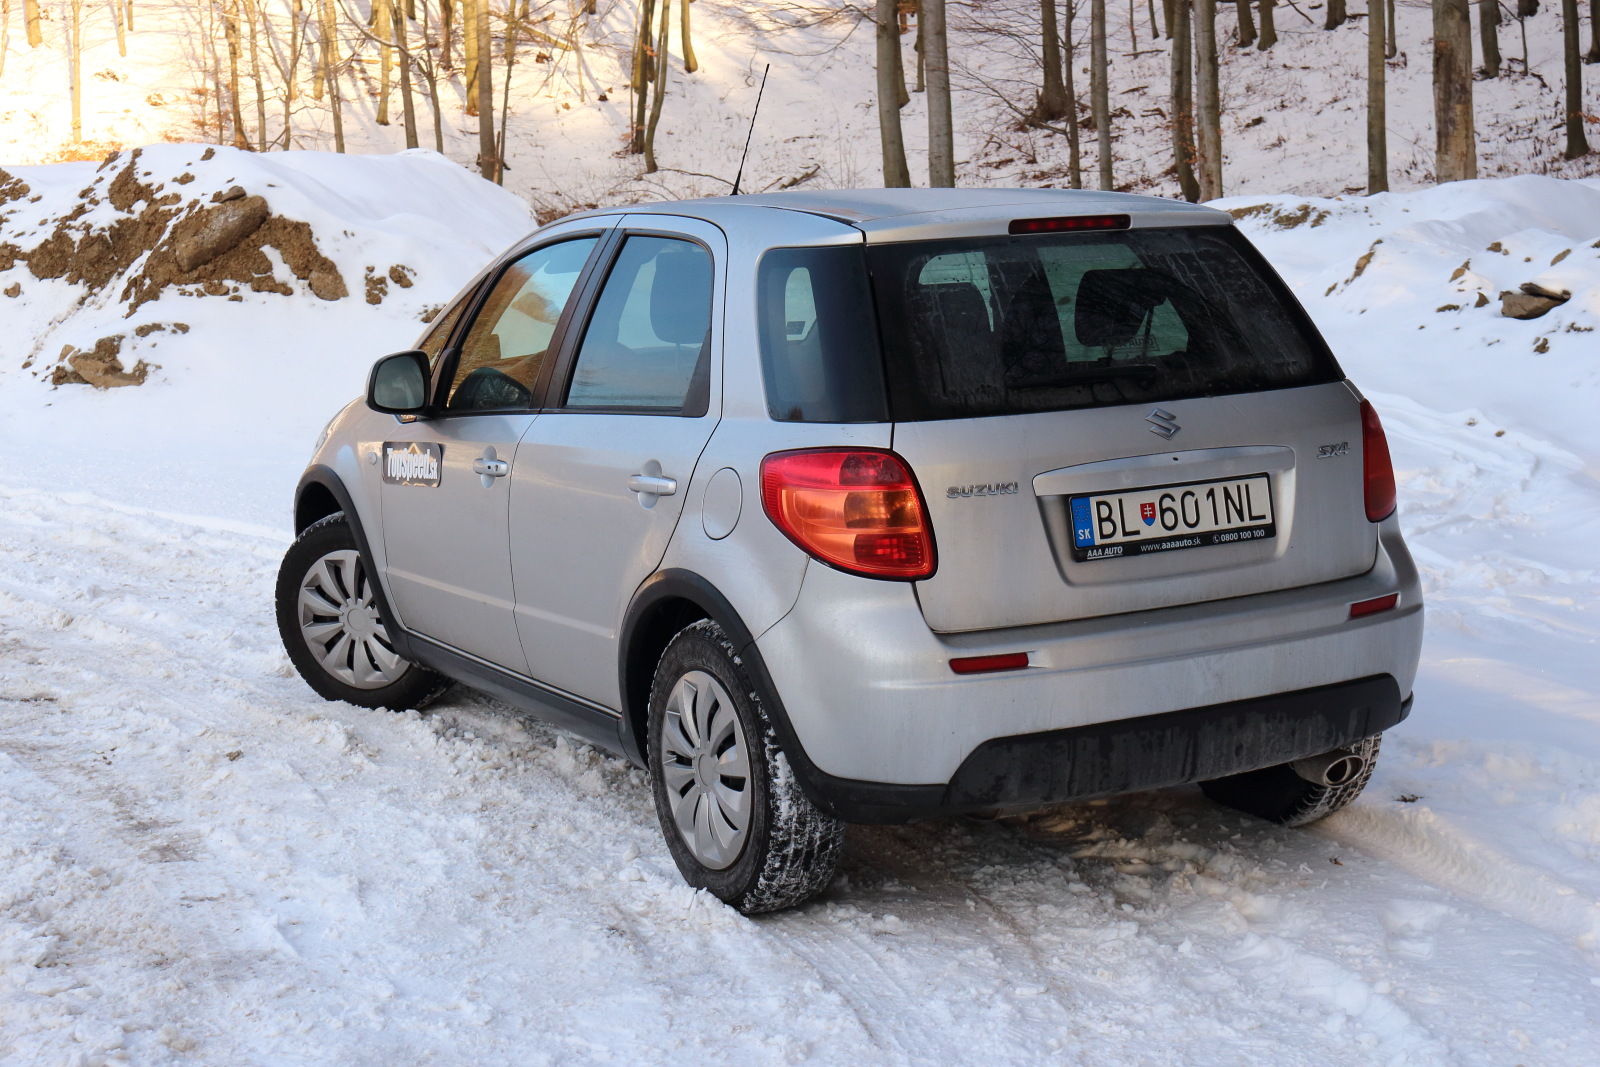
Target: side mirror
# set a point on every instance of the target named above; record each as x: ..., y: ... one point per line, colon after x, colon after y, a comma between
x: 399, y: 384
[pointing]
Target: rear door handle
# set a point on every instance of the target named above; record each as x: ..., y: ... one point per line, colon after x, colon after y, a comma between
x: 654, y: 484
x: 651, y: 484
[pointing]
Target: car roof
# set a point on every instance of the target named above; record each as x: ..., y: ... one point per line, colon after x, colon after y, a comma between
x: 909, y: 214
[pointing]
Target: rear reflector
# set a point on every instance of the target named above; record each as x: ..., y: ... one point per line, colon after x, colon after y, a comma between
x: 1373, y: 606
x: 1010, y: 661
x: 857, y: 509
x: 1068, y: 224
x: 1376, y: 469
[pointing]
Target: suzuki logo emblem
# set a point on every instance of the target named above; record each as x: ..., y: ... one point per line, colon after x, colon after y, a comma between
x: 1162, y: 422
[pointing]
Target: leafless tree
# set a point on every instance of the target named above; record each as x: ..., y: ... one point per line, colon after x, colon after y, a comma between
x: 1488, y: 37
x: 1269, y: 28
x: 1577, y: 143
x: 330, y: 69
x: 75, y: 62
x: 488, y: 165
x: 30, y: 16
x: 1180, y: 22
x: 1593, y: 54
x: 1074, y: 150
x: 230, y: 29
x: 941, y: 133
x: 1377, y: 100
x: 690, y: 63
x: 1099, y: 92
x: 1210, y: 109
x: 891, y: 83
x: 1247, y: 26
x: 1337, y: 15
x: 659, y: 90
x: 117, y: 13
x: 1052, y: 101
x: 1455, y: 145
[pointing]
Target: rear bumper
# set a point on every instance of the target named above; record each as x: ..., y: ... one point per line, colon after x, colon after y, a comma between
x: 1105, y: 759
x: 868, y: 697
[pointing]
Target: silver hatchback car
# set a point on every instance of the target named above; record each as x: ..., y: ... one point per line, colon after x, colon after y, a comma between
x: 869, y: 506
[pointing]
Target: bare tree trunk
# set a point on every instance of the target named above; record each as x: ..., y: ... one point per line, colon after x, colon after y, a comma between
x: 1336, y: 15
x: 485, y: 86
x: 127, y: 19
x: 902, y: 94
x: 1052, y: 102
x: 75, y: 59
x: 896, y: 175
x: 230, y: 29
x: 660, y: 92
x: 1593, y: 54
x: 5, y: 33
x: 1269, y: 28
x: 1205, y: 55
x: 408, y: 107
x: 1456, y: 148
x: 922, y: 56
x: 116, y: 17
x: 1377, y: 100
x: 447, y: 24
x: 430, y: 74
x: 690, y: 63
x: 1527, y: 8
x: 514, y: 23
x: 30, y: 16
x: 1099, y: 92
x: 382, y: 20
x: 330, y: 69
x: 1577, y: 143
x: 1391, y: 46
x: 1155, y: 29
x: 941, y: 131
x: 251, y: 12
x: 1074, y: 149
x: 1183, y: 152
x: 469, y: 46
x: 643, y: 71
x: 1166, y: 12
x: 1488, y: 39
x: 1247, y: 25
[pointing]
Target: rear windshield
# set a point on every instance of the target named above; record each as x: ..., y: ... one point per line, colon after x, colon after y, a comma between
x: 1013, y: 325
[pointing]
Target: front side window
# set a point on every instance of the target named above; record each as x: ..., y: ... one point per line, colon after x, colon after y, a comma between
x: 506, y: 348
x: 1012, y: 325
x: 648, y: 344
x: 439, y: 333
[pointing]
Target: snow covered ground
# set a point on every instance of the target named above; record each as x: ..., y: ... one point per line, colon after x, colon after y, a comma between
x: 201, y: 862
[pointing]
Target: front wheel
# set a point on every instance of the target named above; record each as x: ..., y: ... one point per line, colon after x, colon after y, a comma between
x: 1280, y: 795
x: 735, y: 820
x: 331, y: 627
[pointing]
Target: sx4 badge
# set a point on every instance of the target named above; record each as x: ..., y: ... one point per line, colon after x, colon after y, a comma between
x: 412, y: 463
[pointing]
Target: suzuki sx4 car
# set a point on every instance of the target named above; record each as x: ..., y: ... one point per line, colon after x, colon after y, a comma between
x: 871, y: 506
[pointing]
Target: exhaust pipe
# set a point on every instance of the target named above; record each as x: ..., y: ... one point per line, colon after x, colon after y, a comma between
x: 1339, y: 767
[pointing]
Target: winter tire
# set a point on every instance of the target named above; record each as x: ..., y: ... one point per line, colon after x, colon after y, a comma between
x: 1279, y: 795
x: 333, y: 630
x: 734, y: 817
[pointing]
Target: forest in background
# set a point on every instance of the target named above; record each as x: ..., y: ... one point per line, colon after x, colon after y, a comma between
x: 650, y: 97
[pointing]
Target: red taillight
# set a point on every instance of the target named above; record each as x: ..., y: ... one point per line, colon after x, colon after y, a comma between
x: 1009, y: 661
x: 1376, y: 469
x: 856, y: 509
x: 1373, y: 606
x: 1068, y: 224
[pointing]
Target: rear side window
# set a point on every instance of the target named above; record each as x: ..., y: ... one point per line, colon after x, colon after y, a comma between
x: 648, y: 345
x: 1013, y: 325
x: 819, y: 340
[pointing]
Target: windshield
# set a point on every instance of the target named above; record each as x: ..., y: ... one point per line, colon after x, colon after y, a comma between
x: 1013, y: 325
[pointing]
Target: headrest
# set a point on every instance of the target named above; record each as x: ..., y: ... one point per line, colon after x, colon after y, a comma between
x: 1112, y: 304
x: 680, y: 297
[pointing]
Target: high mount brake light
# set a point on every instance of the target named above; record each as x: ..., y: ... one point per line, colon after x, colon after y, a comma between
x: 1377, y: 471
x: 1068, y: 224
x: 855, y: 509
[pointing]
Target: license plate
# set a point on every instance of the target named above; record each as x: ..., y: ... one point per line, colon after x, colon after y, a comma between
x: 1167, y: 518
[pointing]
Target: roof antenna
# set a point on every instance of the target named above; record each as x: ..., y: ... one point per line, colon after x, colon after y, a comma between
x: 737, y: 178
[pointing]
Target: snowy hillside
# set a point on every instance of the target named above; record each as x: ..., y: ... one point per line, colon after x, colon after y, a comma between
x: 1292, y: 116
x: 203, y: 863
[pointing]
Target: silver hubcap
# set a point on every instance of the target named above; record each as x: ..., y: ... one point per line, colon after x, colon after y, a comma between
x: 705, y: 765
x: 340, y: 623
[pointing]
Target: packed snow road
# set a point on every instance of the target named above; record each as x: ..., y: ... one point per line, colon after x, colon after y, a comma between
x: 201, y: 862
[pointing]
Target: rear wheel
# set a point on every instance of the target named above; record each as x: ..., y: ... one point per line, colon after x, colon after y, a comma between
x: 331, y: 626
x: 1279, y: 795
x: 735, y: 820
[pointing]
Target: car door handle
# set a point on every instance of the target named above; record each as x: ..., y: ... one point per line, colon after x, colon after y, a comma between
x: 654, y: 484
x: 491, y: 468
